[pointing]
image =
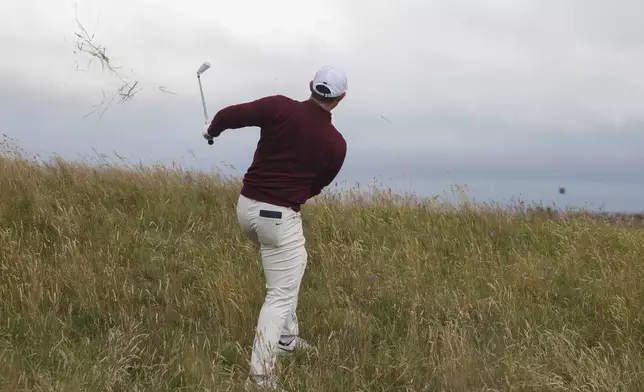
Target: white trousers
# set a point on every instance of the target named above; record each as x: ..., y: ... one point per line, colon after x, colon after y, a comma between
x: 277, y: 233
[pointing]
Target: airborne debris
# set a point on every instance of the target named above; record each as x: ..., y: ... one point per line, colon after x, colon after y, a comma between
x: 125, y: 89
x: 162, y: 88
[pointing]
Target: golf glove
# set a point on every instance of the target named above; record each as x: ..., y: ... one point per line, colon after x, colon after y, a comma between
x: 206, y: 135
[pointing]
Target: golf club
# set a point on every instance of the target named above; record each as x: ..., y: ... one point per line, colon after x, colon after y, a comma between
x: 204, y: 67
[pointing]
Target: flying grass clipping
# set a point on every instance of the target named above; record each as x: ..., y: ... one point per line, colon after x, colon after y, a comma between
x: 125, y: 87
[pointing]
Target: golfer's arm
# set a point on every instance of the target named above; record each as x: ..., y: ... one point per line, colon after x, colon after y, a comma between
x: 249, y: 114
x: 330, y: 174
x: 324, y: 181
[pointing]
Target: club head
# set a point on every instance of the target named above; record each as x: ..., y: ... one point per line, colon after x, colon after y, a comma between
x: 203, y: 68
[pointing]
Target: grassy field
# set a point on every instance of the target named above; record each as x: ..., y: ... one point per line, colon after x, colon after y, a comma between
x: 140, y: 280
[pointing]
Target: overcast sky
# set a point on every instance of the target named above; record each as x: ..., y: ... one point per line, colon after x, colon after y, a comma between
x: 513, y: 98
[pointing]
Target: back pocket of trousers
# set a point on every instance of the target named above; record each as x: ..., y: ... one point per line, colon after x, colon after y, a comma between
x: 270, y: 227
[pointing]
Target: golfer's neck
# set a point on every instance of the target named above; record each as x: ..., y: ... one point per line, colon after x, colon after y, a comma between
x: 322, y: 104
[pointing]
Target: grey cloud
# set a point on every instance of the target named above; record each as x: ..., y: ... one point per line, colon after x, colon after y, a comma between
x: 524, y: 62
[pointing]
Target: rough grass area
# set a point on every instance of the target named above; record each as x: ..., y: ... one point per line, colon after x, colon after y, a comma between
x: 140, y: 280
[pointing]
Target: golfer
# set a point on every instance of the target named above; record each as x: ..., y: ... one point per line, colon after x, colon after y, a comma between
x: 299, y: 153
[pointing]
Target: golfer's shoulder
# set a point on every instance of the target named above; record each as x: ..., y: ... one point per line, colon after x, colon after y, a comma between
x: 277, y: 100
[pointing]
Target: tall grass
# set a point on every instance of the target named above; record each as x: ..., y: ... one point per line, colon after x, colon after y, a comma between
x: 139, y: 279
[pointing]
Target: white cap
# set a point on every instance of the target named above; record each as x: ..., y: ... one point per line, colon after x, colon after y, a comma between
x: 330, y: 81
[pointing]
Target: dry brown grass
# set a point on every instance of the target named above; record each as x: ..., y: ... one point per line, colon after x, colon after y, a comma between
x: 139, y: 280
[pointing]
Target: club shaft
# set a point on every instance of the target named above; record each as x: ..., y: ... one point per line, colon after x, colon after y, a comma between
x: 203, y: 100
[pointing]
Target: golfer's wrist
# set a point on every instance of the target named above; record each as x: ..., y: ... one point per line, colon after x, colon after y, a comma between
x: 208, y: 131
x: 213, y: 132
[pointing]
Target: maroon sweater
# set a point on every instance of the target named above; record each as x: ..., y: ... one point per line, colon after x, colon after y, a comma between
x: 299, y: 151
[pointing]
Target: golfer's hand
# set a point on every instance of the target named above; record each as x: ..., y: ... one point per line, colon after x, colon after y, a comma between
x: 205, y: 133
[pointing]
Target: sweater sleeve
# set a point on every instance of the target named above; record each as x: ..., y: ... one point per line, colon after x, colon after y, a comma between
x: 337, y: 160
x: 249, y: 114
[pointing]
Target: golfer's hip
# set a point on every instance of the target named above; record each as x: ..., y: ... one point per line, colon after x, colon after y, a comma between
x: 275, y: 226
